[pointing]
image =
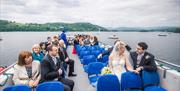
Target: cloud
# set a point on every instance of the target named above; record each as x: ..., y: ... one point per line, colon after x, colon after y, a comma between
x: 107, y: 13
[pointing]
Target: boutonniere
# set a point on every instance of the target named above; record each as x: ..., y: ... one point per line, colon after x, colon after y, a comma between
x: 147, y: 57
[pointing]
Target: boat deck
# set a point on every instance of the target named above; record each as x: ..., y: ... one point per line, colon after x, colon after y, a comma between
x: 169, y: 79
x: 81, y: 80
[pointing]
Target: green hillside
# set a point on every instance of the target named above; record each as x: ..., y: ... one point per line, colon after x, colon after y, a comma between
x: 8, y: 26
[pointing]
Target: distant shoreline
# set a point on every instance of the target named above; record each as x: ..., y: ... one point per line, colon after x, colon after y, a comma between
x: 90, y: 31
x: 12, y: 26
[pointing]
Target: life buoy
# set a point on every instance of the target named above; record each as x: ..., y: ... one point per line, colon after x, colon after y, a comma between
x: 1, y: 69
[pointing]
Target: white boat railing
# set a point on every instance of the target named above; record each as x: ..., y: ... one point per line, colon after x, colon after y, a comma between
x: 5, y: 69
x: 173, y: 66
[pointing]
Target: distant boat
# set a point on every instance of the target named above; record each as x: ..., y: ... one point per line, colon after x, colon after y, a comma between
x: 162, y: 34
x: 113, y: 37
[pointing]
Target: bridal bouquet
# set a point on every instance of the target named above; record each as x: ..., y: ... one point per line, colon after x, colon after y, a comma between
x: 106, y: 70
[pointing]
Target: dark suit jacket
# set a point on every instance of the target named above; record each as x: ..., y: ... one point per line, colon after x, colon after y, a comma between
x: 147, y: 61
x: 49, y: 71
x: 76, y: 42
x: 63, y: 57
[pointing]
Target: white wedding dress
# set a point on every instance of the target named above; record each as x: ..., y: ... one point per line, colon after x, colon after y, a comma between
x: 118, y: 67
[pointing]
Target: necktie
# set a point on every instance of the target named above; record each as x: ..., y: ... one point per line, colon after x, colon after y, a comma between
x: 55, y: 60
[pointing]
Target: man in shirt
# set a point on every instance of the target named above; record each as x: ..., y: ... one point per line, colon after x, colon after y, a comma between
x: 142, y: 59
x: 65, y: 58
x: 52, y: 69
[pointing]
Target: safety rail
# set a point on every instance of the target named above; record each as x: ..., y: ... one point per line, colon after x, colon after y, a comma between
x: 173, y: 66
x: 5, y: 69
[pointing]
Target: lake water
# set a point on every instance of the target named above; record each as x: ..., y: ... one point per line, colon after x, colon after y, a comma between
x: 163, y: 47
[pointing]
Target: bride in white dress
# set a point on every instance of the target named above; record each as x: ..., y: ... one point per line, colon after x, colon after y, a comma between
x: 118, y: 62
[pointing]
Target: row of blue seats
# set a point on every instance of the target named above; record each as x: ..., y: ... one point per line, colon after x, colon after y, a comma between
x: 92, y: 66
x: 86, y: 50
x: 94, y: 70
x: 130, y: 82
x: 91, y: 58
x: 87, y: 56
x: 84, y: 53
x: 95, y: 47
x: 46, y: 86
x: 109, y: 82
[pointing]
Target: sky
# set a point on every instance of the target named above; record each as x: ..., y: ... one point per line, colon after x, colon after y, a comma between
x: 106, y: 13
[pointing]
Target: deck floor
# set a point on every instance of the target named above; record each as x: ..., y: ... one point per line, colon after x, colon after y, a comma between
x: 81, y: 80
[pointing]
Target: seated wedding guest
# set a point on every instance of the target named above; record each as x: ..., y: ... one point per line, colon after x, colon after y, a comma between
x: 118, y: 61
x: 76, y: 40
x: 55, y: 38
x: 142, y: 59
x: 81, y: 40
x: 95, y: 41
x: 26, y: 71
x: 52, y: 69
x: 86, y: 40
x: 48, y: 42
x: 37, y: 53
x: 43, y: 47
x: 64, y: 57
x: 91, y: 39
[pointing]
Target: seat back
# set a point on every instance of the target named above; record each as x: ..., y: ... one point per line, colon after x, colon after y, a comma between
x: 154, y: 88
x: 130, y: 80
x: 104, y: 59
x: 94, y: 68
x: 102, y: 49
x: 88, y: 48
x: 84, y: 53
x: 97, y: 46
x: 88, y: 59
x: 150, y: 78
x: 81, y: 48
x: 17, y: 88
x: 108, y: 83
x: 50, y: 86
x: 95, y: 53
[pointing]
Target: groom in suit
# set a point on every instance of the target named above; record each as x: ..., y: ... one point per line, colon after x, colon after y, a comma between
x: 142, y: 59
x: 52, y: 69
